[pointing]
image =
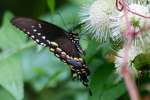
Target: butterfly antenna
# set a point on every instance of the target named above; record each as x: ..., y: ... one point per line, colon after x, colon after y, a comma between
x: 61, y: 17
x: 78, y: 26
x: 73, y: 24
x: 80, y: 29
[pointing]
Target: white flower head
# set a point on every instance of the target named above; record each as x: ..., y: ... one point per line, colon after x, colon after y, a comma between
x: 137, y: 17
x: 95, y: 18
x: 132, y: 53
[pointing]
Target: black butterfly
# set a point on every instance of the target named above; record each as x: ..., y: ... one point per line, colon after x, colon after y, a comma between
x: 65, y: 45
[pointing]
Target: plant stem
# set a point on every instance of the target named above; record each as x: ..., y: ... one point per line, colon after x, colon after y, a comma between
x: 130, y: 83
x: 125, y: 71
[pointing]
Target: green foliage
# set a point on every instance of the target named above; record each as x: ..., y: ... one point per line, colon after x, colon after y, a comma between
x: 10, y: 68
x: 5, y: 95
x: 24, y: 66
x: 42, y: 69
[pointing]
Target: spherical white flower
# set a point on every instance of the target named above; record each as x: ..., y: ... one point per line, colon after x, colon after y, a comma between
x: 132, y: 53
x: 138, y: 23
x: 96, y: 18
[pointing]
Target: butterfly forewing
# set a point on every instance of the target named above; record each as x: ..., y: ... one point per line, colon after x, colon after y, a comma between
x: 44, y: 33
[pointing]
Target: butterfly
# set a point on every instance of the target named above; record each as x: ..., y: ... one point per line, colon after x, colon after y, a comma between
x: 65, y: 45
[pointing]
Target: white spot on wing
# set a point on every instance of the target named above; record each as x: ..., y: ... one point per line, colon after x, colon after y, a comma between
x: 43, y: 44
x: 57, y: 55
x: 34, y: 30
x: 43, y: 37
x: 40, y: 26
x: 76, y: 39
x: 38, y: 33
x: 32, y: 36
x: 48, y: 42
x: 37, y: 40
x: 28, y: 32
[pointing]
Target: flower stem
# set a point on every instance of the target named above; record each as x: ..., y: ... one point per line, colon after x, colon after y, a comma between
x: 125, y: 71
x: 130, y: 83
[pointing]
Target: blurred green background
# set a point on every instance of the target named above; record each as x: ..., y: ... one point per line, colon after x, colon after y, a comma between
x: 30, y: 72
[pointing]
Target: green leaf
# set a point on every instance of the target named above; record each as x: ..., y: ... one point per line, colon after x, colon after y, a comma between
x: 42, y: 69
x: 98, y: 81
x: 10, y: 68
x: 10, y: 38
x: 5, y: 95
x: 64, y: 17
x: 113, y: 93
x: 103, y: 84
x: 11, y: 76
